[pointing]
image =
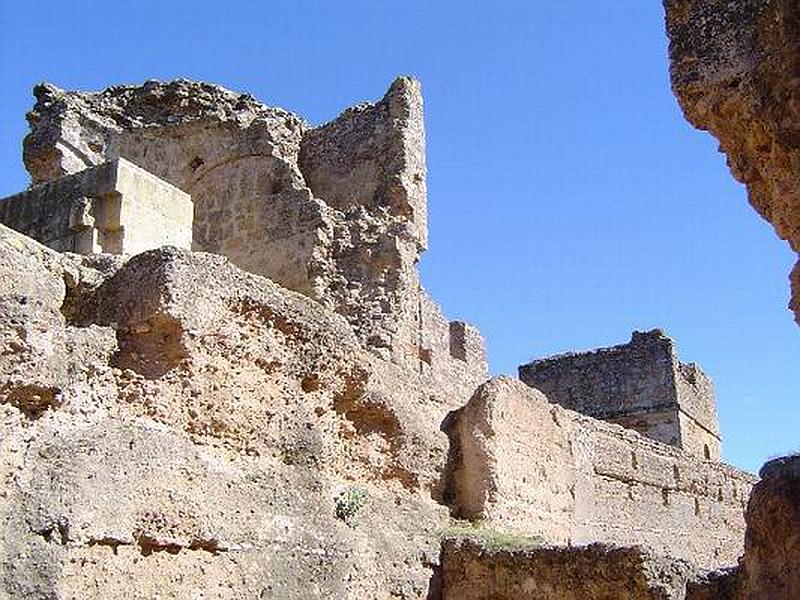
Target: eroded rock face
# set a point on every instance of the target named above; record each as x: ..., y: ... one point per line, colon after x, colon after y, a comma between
x: 734, y: 68
x: 213, y: 432
x: 337, y: 212
x: 772, y: 543
x: 473, y: 572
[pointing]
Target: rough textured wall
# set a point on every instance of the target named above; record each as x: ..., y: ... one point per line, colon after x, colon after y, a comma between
x: 734, y: 69
x: 451, y: 352
x: 234, y: 156
x: 769, y: 569
x: 494, y: 480
x: 174, y: 426
x: 373, y: 156
x: 597, y: 572
x: 640, y: 385
x: 529, y: 466
x: 115, y: 208
x: 337, y: 212
x: 772, y: 544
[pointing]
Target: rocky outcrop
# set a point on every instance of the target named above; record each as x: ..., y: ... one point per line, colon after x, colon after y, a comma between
x: 471, y: 571
x: 734, y: 68
x: 772, y: 543
x: 173, y: 421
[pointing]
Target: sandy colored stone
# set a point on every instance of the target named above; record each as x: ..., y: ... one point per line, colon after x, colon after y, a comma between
x: 769, y: 568
x: 471, y: 571
x: 207, y: 421
x: 337, y: 212
x: 524, y: 465
x: 640, y: 385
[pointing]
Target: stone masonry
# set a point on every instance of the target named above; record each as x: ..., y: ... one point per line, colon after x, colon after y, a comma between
x: 337, y: 212
x: 525, y: 465
x: 471, y: 571
x: 113, y: 208
x: 285, y: 412
x: 640, y: 385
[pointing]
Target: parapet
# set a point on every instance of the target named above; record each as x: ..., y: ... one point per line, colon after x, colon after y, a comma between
x: 640, y: 385
x: 114, y: 208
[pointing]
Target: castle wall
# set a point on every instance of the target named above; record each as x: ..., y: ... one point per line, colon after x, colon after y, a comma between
x: 532, y: 467
x: 610, y: 381
x: 473, y: 571
x: 640, y: 385
x: 698, y: 413
x: 115, y: 207
x: 337, y: 212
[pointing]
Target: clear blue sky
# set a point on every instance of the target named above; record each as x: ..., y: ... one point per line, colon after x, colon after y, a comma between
x: 569, y: 201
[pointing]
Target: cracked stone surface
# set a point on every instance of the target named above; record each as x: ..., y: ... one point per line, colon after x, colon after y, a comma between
x: 472, y: 571
x: 337, y: 212
x: 177, y: 422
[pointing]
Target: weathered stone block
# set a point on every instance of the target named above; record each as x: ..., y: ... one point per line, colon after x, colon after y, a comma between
x: 115, y: 208
x: 471, y: 571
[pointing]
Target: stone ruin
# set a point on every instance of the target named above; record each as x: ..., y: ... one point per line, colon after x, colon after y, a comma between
x: 640, y: 385
x: 336, y: 212
x: 113, y: 208
x: 221, y: 377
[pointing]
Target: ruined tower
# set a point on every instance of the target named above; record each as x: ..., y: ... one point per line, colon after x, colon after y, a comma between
x: 640, y: 385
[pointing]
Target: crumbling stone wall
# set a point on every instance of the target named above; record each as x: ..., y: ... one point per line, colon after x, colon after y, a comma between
x: 337, y: 212
x: 173, y: 426
x: 471, y: 571
x: 734, y: 71
x: 640, y: 385
x: 526, y: 465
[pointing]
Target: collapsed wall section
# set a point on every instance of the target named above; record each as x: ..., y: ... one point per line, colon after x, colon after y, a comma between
x: 471, y: 571
x: 532, y: 467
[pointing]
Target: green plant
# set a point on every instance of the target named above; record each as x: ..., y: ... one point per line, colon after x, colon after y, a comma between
x: 349, y: 502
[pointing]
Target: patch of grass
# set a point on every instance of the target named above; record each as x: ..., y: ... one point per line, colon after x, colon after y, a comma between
x: 491, y: 538
x: 349, y: 502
